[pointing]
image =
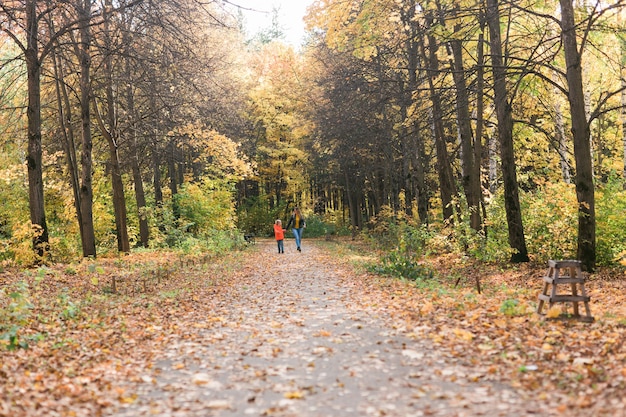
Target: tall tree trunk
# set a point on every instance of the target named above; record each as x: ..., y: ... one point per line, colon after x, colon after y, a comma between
x: 447, y: 187
x: 471, y: 182
x: 351, y: 206
x: 580, y: 130
x: 140, y: 195
x: 86, y: 189
x: 110, y: 132
x: 622, y: 50
x: 559, y: 131
x: 171, y: 164
x: 65, y: 123
x: 623, y: 120
x: 156, y: 174
x: 413, y: 145
x: 34, y: 159
x: 493, y: 162
x: 517, y: 240
x: 480, y: 114
x: 119, y: 199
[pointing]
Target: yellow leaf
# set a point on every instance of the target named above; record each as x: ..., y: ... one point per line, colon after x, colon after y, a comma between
x: 463, y: 334
x: 553, y: 312
x: 500, y: 323
x: 128, y: 400
x: 294, y: 395
x: 427, y: 308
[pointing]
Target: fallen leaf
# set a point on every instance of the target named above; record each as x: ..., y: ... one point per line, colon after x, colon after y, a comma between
x: 553, y: 312
x: 294, y: 395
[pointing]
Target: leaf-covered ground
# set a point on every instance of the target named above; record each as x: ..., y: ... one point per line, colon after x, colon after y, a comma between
x: 302, y: 334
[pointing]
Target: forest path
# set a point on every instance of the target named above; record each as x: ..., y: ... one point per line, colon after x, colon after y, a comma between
x: 286, y: 339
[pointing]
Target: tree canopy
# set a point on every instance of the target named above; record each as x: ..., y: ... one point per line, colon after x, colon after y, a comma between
x: 457, y: 118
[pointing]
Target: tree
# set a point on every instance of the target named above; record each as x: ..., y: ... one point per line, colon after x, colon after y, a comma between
x: 470, y: 147
x: 109, y: 128
x: 585, y: 192
x: 27, y: 15
x: 517, y: 240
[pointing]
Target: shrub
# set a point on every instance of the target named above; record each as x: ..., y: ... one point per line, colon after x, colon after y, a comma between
x: 399, y: 265
x: 254, y: 216
x: 205, y: 207
x: 551, y: 222
x: 15, y: 312
x: 610, y: 222
x: 329, y: 224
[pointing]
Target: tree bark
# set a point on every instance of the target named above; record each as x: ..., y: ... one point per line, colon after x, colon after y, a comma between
x: 83, y: 9
x: 559, y: 132
x: 140, y: 195
x: 622, y: 49
x: 34, y: 159
x: 580, y: 130
x: 471, y: 182
x: 65, y: 123
x: 447, y: 187
x: 480, y: 115
x: 111, y: 133
x: 517, y: 240
x: 171, y: 164
x: 415, y: 152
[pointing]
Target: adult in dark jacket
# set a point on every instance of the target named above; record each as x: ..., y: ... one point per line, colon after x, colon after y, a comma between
x: 297, y: 220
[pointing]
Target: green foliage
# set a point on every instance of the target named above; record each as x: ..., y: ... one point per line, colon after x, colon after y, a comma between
x: 69, y: 309
x: 550, y: 224
x: 214, y: 241
x: 611, y: 222
x: 329, y: 224
x: 254, y: 216
x: 394, y: 230
x: 15, y: 311
x: 399, y: 265
x: 206, y: 221
x: 204, y: 207
x: 510, y: 307
x: 551, y: 221
x: 316, y: 227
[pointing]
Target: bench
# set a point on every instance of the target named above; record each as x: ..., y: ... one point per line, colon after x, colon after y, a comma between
x: 568, y: 273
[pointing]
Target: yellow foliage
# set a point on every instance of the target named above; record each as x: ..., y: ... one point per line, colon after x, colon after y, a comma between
x: 463, y: 334
x: 553, y: 312
x: 294, y: 395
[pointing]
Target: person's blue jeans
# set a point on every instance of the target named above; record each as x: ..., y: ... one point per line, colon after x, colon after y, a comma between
x: 281, y: 246
x: 297, y: 233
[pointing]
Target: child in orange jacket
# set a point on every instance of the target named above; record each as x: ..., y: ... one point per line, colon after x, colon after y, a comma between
x: 279, y: 233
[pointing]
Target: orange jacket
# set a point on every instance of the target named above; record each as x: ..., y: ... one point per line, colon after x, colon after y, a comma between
x: 279, y: 232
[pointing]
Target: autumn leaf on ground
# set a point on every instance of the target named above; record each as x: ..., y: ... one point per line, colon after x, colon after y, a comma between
x: 554, y: 312
x: 463, y: 334
x: 294, y: 395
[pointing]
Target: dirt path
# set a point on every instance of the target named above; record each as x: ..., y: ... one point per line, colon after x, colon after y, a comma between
x: 287, y: 340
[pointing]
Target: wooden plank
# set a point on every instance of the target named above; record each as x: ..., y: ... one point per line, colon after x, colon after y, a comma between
x: 564, y: 280
x: 567, y: 263
x: 564, y: 298
x: 571, y: 317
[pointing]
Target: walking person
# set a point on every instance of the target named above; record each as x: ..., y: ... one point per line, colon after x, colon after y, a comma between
x: 279, y: 234
x: 297, y: 220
